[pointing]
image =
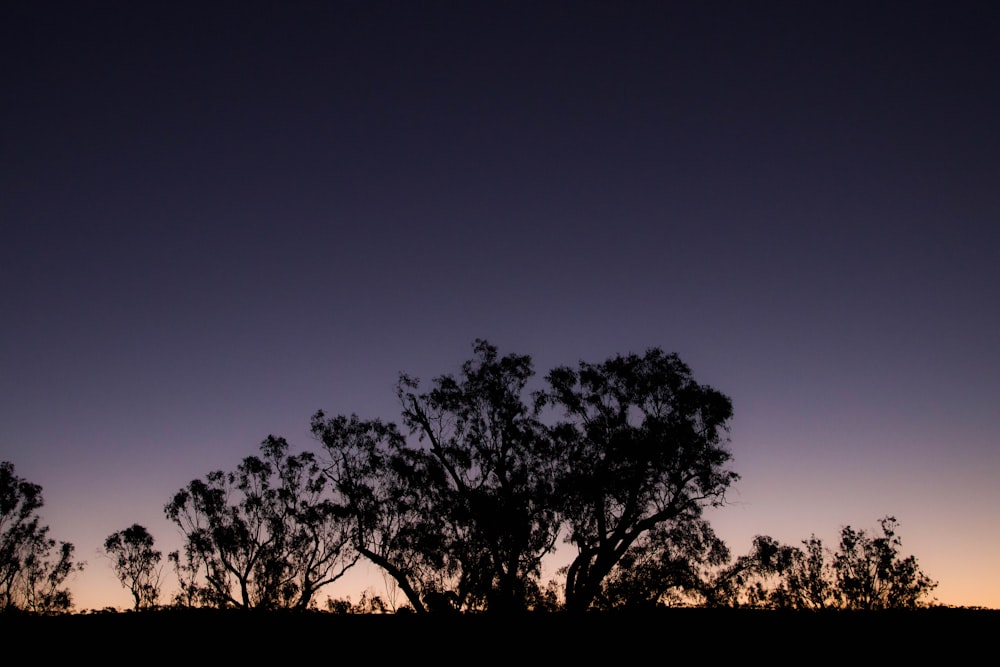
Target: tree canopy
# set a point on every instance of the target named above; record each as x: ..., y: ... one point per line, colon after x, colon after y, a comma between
x: 643, y: 445
x: 34, y: 568
x: 487, y: 472
x: 464, y: 513
x: 866, y: 572
x: 136, y: 563
x: 264, y: 536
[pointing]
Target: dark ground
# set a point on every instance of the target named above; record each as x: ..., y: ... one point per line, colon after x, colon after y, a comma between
x: 694, y: 636
x: 699, y: 636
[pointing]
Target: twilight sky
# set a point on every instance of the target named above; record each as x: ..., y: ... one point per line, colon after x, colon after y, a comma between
x: 220, y: 217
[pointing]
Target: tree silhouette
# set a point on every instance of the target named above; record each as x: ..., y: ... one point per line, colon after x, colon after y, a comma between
x: 463, y: 517
x: 668, y: 565
x: 33, y: 568
x: 491, y: 467
x: 866, y: 573
x: 268, y: 535
x: 395, y: 526
x: 136, y: 564
x: 871, y: 574
x: 644, y: 444
x: 773, y: 575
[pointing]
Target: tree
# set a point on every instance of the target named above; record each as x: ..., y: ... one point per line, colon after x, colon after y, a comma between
x: 394, y: 521
x: 136, y: 564
x: 33, y: 567
x: 461, y: 518
x: 773, y: 575
x: 268, y: 535
x: 491, y: 468
x: 865, y: 573
x: 806, y: 577
x: 670, y: 564
x: 871, y: 574
x: 642, y: 444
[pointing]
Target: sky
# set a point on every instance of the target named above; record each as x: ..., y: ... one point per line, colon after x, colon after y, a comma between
x: 220, y: 217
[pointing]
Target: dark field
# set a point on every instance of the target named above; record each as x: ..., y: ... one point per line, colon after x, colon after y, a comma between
x: 688, y: 636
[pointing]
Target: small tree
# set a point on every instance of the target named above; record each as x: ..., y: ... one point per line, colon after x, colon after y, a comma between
x: 136, y: 564
x: 268, y: 535
x: 774, y: 575
x: 865, y: 573
x: 33, y: 567
x: 870, y: 573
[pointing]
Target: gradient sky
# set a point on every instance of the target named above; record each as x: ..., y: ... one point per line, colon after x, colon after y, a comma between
x: 220, y: 217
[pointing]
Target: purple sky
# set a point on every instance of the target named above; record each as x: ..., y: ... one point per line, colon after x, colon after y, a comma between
x: 218, y: 218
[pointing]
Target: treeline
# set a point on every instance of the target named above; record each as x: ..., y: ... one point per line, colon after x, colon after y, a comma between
x: 460, y: 501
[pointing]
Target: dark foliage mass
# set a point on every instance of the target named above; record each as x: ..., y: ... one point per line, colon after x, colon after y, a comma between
x: 34, y: 568
x: 209, y: 636
x: 459, y: 503
x: 265, y: 536
x: 462, y: 514
x: 136, y: 564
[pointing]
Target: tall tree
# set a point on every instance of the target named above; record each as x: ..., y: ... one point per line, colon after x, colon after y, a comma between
x: 396, y: 526
x: 33, y: 567
x: 268, y: 535
x: 136, y: 564
x: 462, y: 514
x: 491, y: 468
x: 643, y: 444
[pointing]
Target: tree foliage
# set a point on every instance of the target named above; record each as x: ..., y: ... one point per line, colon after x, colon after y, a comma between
x: 460, y: 504
x: 463, y: 515
x: 667, y: 566
x: 643, y: 445
x: 872, y: 574
x: 136, y: 564
x: 33, y: 566
x: 267, y: 535
x: 491, y: 467
x: 394, y: 522
x: 866, y: 572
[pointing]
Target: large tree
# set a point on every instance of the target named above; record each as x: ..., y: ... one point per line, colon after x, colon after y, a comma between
x: 394, y: 522
x: 136, y: 563
x: 268, y: 535
x: 492, y: 467
x: 462, y: 514
x: 643, y: 444
x: 33, y: 567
